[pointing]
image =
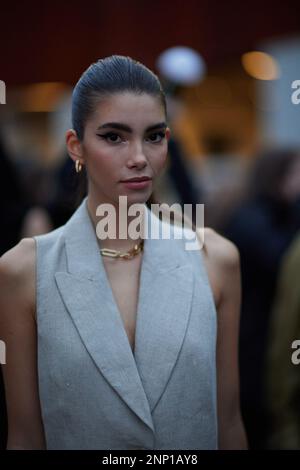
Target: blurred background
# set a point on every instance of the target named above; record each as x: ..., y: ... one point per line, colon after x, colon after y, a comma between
x: 230, y: 72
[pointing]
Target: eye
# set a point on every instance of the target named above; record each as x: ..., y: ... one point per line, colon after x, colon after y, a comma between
x: 111, y: 137
x: 156, y: 137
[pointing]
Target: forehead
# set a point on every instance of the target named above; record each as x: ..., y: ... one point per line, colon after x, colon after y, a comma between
x: 130, y: 108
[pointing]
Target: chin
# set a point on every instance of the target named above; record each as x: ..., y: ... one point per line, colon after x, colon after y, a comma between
x: 137, y: 197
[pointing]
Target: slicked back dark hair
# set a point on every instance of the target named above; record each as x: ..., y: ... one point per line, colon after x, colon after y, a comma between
x: 113, y: 74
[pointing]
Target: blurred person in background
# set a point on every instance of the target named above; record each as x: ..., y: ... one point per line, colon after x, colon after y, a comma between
x: 283, y: 373
x: 14, y: 203
x: 262, y: 228
x: 221, y: 175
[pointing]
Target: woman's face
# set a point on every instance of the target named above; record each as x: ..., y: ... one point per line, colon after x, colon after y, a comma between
x: 126, y: 137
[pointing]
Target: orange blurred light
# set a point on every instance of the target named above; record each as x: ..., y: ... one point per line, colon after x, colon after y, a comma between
x: 38, y: 97
x: 260, y: 65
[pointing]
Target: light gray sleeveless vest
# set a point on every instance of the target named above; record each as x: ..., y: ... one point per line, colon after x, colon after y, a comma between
x: 94, y: 392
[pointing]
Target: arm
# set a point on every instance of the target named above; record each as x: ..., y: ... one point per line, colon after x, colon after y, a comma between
x: 18, y: 331
x: 224, y: 272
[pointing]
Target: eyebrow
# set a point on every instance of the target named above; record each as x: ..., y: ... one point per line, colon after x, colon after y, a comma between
x: 124, y: 127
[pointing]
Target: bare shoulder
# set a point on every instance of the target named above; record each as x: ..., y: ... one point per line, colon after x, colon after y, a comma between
x: 219, y: 249
x: 222, y: 260
x: 19, y: 262
x: 17, y: 274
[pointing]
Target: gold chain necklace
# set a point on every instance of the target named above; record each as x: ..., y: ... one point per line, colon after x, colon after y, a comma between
x: 127, y: 255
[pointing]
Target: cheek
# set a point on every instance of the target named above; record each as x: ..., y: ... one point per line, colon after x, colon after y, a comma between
x: 103, y: 169
x: 99, y: 161
x: 159, y: 159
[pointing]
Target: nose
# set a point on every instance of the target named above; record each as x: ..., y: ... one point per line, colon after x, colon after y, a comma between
x: 137, y: 157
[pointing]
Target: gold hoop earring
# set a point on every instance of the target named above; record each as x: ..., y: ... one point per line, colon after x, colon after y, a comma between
x: 78, y: 166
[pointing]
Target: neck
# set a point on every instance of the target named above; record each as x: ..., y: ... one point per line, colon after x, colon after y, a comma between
x: 115, y: 242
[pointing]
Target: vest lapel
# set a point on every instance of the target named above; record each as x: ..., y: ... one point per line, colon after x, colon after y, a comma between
x: 164, y: 304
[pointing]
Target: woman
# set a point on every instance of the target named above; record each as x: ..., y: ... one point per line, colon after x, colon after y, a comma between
x: 112, y: 353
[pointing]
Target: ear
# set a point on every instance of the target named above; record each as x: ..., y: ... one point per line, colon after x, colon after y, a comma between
x: 74, y: 146
x: 168, y: 133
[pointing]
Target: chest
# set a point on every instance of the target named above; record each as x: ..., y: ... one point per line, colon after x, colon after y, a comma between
x: 124, y: 279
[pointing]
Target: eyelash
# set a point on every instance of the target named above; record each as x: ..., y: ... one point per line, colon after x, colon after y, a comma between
x: 110, y: 134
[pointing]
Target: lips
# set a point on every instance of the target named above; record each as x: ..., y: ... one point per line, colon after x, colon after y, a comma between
x: 138, y: 179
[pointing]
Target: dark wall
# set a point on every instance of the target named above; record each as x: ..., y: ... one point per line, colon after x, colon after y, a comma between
x: 49, y: 41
